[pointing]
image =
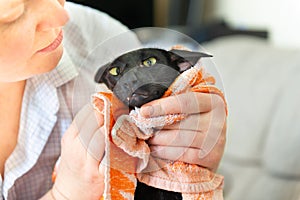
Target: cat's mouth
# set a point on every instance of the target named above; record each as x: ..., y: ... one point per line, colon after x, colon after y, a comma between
x: 145, y: 94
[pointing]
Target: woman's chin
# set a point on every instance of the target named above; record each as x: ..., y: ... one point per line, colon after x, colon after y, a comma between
x: 43, y: 63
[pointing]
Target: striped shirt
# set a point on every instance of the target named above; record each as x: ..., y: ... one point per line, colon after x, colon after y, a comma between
x: 52, y: 99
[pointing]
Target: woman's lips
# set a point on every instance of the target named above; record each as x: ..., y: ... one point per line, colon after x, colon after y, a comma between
x: 53, y: 45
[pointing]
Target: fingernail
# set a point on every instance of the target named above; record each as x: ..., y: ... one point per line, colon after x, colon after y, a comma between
x: 147, y: 111
x: 99, y: 118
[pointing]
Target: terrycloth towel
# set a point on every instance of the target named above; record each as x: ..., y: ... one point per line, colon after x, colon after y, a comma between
x: 128, y: 155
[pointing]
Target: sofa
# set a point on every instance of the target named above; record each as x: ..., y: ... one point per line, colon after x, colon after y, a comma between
x: 261, y: 82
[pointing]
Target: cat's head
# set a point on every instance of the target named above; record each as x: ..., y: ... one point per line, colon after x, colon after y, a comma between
x: 140, y: 76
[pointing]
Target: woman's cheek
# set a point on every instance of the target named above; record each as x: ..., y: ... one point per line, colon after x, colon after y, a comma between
x: 20, y: 51
x: 15, y: 51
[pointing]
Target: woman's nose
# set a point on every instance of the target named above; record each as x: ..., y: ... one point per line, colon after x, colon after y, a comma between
x: 52, y: 16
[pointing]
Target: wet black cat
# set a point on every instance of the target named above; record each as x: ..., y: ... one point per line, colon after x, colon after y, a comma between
x: 141, y: 76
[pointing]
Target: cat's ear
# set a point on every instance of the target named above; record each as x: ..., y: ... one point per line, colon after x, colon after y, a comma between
x: 186, y: 59
x: 100, y: 73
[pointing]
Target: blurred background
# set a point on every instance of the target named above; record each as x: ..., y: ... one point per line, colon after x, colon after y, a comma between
x: 255, y: 46
x: 277, y: 20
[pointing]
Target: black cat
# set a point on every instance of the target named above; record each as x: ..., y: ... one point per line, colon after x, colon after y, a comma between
x: 140, y: 76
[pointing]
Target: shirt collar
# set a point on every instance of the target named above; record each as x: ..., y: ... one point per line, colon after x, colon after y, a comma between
x: 38, y: 118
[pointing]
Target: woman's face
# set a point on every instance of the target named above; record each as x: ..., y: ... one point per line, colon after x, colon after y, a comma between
x: 30, y: 37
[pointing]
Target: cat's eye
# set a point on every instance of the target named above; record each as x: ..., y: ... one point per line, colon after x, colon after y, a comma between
x: 115, y: 71
x: 149, y: 62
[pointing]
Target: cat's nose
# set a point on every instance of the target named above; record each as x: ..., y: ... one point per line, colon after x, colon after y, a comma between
x: 139, y: 99
x: 145, y: 94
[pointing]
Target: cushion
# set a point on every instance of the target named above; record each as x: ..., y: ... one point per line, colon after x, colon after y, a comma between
x: 261, y: 82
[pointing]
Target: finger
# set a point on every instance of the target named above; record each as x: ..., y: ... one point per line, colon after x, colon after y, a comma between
x: 96, y: 146
x: 81, y: 116
x: 189, y: 103
x: 194, y: 122
x: 177, y: 138
x: 209, y: 154
x: 205, y: 125
x: 215, y: 130
x: 187, y: 155
x: 69, y: 135
x: 88, y: 128
x: 73, y: 130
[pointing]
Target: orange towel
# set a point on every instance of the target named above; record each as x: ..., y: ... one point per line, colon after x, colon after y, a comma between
x: 128, y: 156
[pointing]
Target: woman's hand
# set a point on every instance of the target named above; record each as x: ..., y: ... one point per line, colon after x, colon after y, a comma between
x: 200, y: 138
x: 79, y: 175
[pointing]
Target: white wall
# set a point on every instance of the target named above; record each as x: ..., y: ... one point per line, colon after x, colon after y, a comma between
x: 280, y: 17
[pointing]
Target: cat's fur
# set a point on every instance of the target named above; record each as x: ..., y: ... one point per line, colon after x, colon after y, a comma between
x: 135, y: 84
